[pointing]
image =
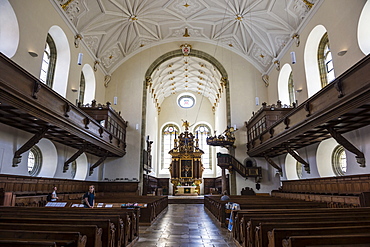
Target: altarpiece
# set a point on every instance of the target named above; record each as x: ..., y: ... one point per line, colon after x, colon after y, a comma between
x: 186, y: 167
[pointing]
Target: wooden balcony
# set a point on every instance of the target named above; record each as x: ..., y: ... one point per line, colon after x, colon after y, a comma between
x: 340, y: 107
x: 29, y: 105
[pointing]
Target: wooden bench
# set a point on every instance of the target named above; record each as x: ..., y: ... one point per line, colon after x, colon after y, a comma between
x: 108, y: 228
x: 27, y: 243
x: 155, y: 205
x: 361, y: 239
x: 277, y: 235
x: 249, y: 238
x: 74, y: 239
x: 92, y: 232
x: 124, y: 219
x: 217, y: 207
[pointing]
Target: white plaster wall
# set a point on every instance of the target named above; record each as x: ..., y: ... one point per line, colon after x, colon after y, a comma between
x: 11, y: 140
x: 245, y: 83
x: 270, y: 179
x: 337, y: 25
x: 54, y: 155
x: 33, y: 29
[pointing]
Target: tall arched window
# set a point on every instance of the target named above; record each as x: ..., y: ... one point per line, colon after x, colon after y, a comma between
x: 339, y: 161
x: 48, y: 62
x: 34, y: 161
x: 202, y: 132
x: 291, y: 89
x: 82, y: 88
x: 325, y: 61
x: 169, y: 133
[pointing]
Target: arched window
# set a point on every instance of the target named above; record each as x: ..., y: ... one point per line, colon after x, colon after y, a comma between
x: 73, y: 169
x: 34, y: 161
x: 82, y: 88
x: 168, y: 136
x: 299, y: 169
x: 325, y: 61
x: 339, y: 161
x: 202, y: 132
x: 291, y: 89
x: 283, y: 84
x: 48, y: 62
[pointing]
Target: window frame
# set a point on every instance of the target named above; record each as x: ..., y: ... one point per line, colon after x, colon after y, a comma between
x: 337, y: 161
x: 51, y: 63
x: 323, y: 54
x: 203, y: 144
x: 37, y: 161
x: 81, y: 94
x: 164, y: 151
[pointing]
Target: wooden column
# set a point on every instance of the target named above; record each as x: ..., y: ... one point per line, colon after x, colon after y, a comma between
x: 224, y: 180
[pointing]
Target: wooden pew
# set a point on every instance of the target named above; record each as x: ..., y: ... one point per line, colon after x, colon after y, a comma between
x: 250, y: 240
x: 360, y: 239
x: 125, y: 219
x: 277, y: 235
x: 27, y: 243
x: 217, y: 207
x: 92, y: 232
x: 74, y: 239
x: 108, y: 228
x: 116, y: 231
x: 155, y: 205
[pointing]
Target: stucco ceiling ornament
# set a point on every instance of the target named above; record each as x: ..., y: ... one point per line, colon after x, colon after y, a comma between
x: 111, y: 56
x: 185, y: 48
x: 276, y: 63
x: 265, y: 79
x: 246, y: 23
x: 107, y: 79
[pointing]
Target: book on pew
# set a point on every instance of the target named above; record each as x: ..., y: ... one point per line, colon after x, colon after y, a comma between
x: 134, y: 205
x: 56, y: 204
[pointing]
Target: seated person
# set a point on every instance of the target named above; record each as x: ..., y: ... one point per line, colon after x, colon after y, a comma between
x: 54, y: 196
x: 224, y: 196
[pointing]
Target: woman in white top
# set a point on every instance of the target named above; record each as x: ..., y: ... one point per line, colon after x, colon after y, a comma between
x: 54, y: 196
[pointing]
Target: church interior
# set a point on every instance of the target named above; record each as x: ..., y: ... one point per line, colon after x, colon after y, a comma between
x: 164, y: 105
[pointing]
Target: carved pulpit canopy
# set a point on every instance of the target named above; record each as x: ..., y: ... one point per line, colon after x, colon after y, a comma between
x: 226, y: 139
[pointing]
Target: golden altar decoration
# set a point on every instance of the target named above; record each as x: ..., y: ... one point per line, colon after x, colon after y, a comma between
x: 186, y: 167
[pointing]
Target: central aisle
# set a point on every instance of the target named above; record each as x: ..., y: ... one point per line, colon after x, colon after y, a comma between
x: 185, y: 225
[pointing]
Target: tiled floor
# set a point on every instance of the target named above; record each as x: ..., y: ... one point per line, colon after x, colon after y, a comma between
x: 185, y: 225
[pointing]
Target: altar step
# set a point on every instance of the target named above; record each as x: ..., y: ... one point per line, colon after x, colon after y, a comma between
x: 185, y: 199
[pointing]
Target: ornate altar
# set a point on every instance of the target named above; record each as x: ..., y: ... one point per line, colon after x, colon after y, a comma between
x: 186, y: 168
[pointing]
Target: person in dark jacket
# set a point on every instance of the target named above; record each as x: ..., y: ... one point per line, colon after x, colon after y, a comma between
x: 89, y: 197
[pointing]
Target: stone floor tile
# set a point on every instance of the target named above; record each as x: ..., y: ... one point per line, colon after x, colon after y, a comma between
x: 184, y: 225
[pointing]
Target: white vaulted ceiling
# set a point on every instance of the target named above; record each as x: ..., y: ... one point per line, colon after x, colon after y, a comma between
x: 115, y: 30
x: 256, y: 29
x: 186, y: 74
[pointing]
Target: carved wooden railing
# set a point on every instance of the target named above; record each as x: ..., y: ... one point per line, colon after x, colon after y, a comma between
x: 328, y: 113
x: 230, y: 162
x: 47, y: 114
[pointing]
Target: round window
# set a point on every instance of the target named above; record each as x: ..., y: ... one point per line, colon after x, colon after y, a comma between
x: 186, y: 101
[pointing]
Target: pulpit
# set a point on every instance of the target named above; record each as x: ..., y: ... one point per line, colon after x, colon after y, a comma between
x: 186, y: 167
